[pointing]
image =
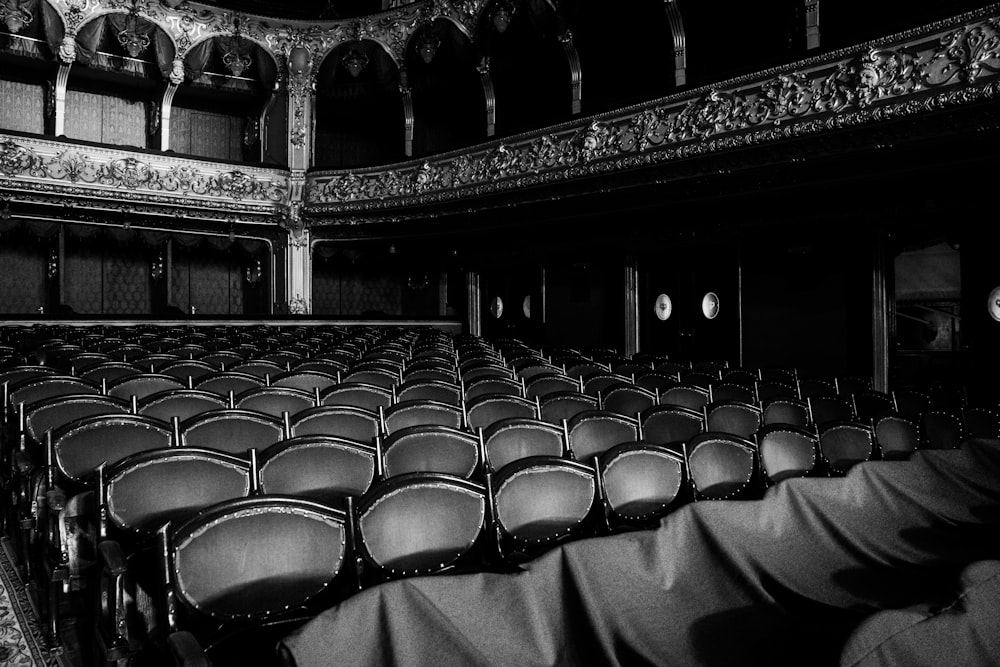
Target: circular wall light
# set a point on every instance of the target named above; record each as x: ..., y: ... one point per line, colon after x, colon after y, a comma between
x: 993, y: 303
x: 526, y: 306
x: 710, y: 305
x: 663, y: 307
x: 496, y: 307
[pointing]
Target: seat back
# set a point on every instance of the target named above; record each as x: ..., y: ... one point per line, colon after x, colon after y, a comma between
x: 686, y: 396
x: 790, y: 411
x: 420, y: 523
x: 542, y: 499
x: 492, y: 385
x: 487, y: 410
x: 670, y: 425
x: 341, y: 421
x: 431, y: 448
x: 180, y: 403
x: 275, y: 400
x: 380, y: 377
x: 145, y: 490
x: 871, y: 405
x: 223, y: 382
x: 720, y: 465
x: 143, y: 385
x: 188, y: 368
x: 980, y: 423
x: 641, y: 481
x: 786, y: 451
x: 109, y: 371
x: 941, y: 429
x: 844, y: 444
x: 418, y: 413
x: 306, y: 380
x: 560, y: 405
x: 322, y: 468
x: 550, y: 383
x: 357, y: 394
x: 627, y: 399
x: 430, y: 390
x: 810, y: 387
x: 730, y: 391
x: 911, y: 404
x: 233, y: 431
x: 36, y: 389
x: 600, y: 382
x: 825, y: 409
x: 259, y: 368
x: 735, y: 417
x: 510, y: 440
x: 53, y: 413
x: 768, y: 390
x: 256, y: 558
x: 897, y: 437
x: 656, y: 381
x: 82, y: 445
x: 596, y: 431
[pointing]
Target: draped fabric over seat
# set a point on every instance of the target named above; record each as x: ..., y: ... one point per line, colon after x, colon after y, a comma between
x: 780, y: 581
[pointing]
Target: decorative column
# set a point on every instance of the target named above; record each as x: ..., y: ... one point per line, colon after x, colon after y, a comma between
x: 474, y: 309
x: 404, y: 90
x: 881, y: 278
x: 297, y: 293
x: 812, y: 24
x: 491, y: 100
x: 631, y: 306
x: 575, y: 73
x: 298, y: 262
x: 67, y: 56
x: 680, y: 42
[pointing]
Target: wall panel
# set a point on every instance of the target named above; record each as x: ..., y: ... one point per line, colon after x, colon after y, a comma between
x: 22, y: 107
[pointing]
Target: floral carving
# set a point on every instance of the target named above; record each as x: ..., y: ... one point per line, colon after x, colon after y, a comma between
x: 73, y: 166
x: 16, y: 159
x: 126, y: 172
x: 887, y: 73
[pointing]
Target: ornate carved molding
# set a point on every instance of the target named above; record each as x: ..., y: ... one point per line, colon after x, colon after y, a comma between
x: 34, y: 164
x: 951, y: 63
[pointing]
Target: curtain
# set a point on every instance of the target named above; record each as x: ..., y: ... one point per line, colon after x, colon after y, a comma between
x: 197, y: 59
x: 88, y: 39
x: 163, y: 52
x: 53, y: 26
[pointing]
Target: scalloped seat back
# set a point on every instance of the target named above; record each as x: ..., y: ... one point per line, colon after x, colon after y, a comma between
x: 543, y: 502
x: 422, y: 526
x: 256, y: 560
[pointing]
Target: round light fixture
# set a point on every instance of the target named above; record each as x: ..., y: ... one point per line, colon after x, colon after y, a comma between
x: 993, y: 303
x: 526, y: 306
x: 710, y: 306
x: 663, y: 307
x: 496, y: 307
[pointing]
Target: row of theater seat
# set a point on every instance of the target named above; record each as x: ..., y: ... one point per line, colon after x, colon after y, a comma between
x: 437, y: 482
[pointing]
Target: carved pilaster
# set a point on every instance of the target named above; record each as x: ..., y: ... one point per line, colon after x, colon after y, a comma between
x: 489, y: 95
x: 165, y: 105
x: 404, y: 90
x: 59, y: 95
x: 680, y: 42
x: 812, y: 24
x: 301, y: 107
x: 297, y: 250
x: 575, y: 73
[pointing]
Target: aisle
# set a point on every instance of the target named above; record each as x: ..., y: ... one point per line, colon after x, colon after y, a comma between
x: 21, y: 642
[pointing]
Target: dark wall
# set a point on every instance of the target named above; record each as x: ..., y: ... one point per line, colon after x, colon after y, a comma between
x: 807, y: 303
x: 585, y: 305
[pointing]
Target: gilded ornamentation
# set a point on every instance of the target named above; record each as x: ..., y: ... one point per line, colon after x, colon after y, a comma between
x: 817, y: 95
x: 298, y: 305
x: 16, y: 159
x: 73, y: 166
x: 127, y: 173
x: 886, y: 73
x: 67, y: 49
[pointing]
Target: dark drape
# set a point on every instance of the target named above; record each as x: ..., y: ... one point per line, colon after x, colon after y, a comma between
x: 785, y: 580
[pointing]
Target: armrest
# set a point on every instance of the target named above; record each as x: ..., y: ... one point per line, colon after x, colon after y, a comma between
x: 186, y: 651
x: 112, y: 557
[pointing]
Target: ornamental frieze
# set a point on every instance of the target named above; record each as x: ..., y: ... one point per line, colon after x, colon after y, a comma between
x: 26, y: 161
x: 895, y: 77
